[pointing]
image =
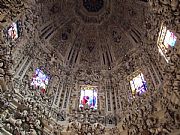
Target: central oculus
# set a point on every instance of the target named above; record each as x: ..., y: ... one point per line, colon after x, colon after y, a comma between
x: 93, y: 5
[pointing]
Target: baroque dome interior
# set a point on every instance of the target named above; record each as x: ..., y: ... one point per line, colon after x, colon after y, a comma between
x: 90, y: 33
x: 89, y: 67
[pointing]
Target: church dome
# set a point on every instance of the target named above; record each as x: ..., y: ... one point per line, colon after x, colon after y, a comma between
x: 89, y: 67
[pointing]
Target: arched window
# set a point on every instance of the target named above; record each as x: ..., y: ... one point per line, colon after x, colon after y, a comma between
x: 40, y: 80
x: 13, y: 31
x: 88, y: 97
x: 138, y: 85
x: 166, y: 40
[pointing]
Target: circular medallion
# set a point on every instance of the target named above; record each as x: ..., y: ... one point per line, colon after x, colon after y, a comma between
x: 93, y: 5
x: 93, y: 11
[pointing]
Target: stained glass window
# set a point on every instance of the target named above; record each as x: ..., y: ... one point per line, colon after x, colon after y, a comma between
x: 138, y: 85
x: 40, y: 80
x: 88, y: 97
x: 170, y: 39
x: 167, y: 39
x: 12, y: 31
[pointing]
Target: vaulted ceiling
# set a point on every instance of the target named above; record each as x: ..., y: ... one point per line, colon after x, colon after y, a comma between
x: 93, y: 33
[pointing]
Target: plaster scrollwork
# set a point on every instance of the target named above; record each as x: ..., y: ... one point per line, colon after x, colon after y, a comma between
x: 88, y: 76
x: 86, y: 128
x: 24, y: 110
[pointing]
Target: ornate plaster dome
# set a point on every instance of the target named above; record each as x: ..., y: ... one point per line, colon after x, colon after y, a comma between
x: 91, y: 33
x: 89, y: 67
